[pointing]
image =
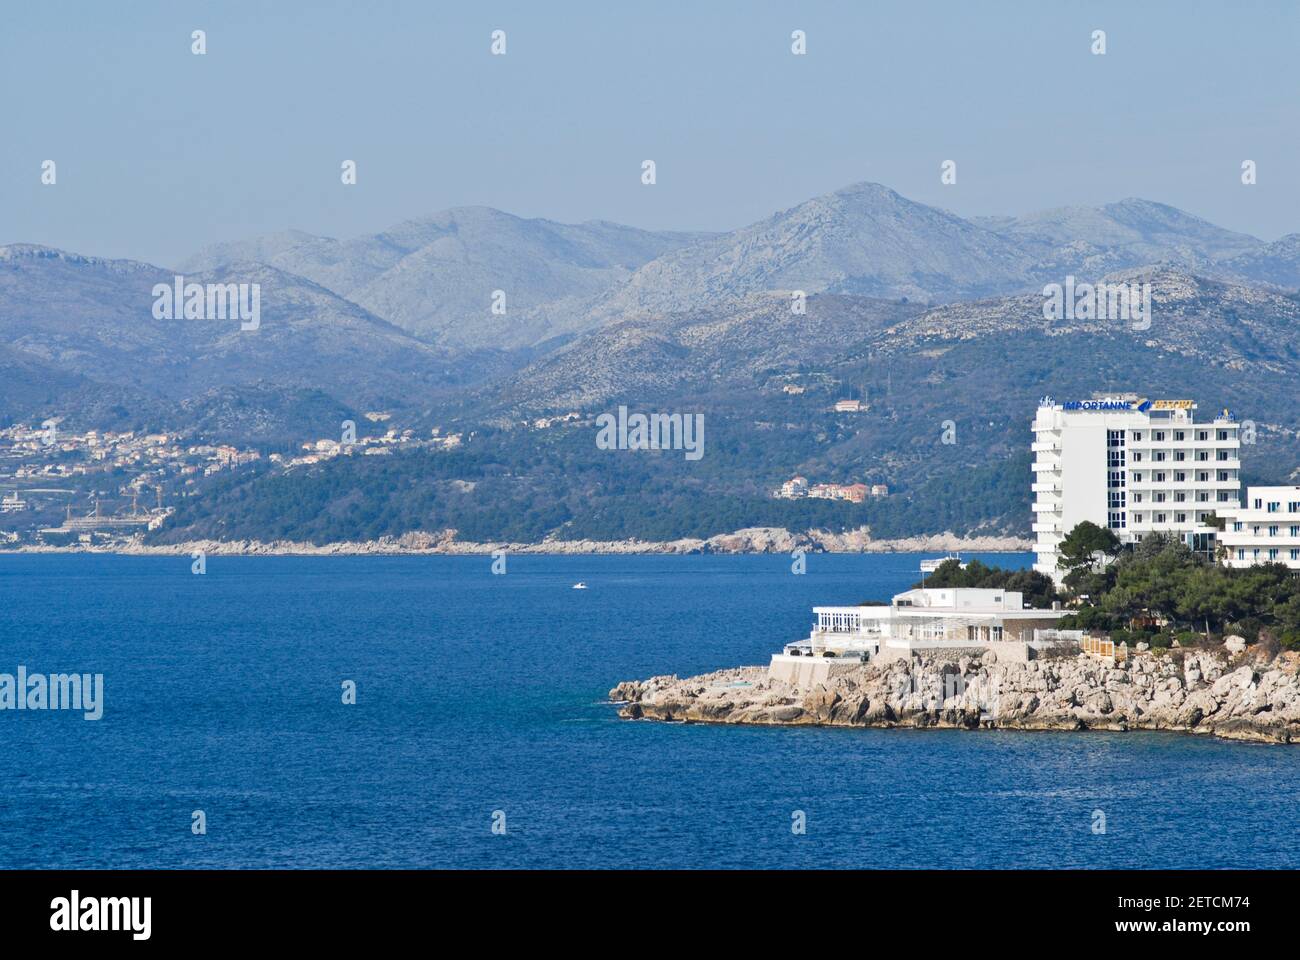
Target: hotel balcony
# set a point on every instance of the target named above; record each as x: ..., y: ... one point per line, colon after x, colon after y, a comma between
x: 1148, y: 463
x: 1040, y: 466
x: 1046, y: 446
x: 1046, y: 507
x: 1045, y: 486
x: 1248, y: 538
x: 1046, y: 526
x: 1171, y: 484
x: 1187, y: 443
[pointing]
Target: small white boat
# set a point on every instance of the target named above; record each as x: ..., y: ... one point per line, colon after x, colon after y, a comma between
x: 929, y: 566
x: 579, y: 586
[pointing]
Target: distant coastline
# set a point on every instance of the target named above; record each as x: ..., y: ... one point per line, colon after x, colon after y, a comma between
x: 751, y: 540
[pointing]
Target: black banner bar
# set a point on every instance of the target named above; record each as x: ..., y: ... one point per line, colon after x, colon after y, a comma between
x: 334, y: 908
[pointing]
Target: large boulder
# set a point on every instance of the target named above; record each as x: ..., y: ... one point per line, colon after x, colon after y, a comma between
x: 626, y: 692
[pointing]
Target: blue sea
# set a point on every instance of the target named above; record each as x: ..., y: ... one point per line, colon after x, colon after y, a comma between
x: 480, y: 700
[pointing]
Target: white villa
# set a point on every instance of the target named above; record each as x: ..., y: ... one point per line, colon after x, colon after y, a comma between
x: 942, y: 622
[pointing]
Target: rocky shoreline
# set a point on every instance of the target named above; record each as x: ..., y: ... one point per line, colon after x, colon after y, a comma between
x: 750, y: 540
x: 1235, y: 697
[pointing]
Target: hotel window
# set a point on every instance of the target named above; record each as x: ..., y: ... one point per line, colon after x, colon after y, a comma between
x: 1160, y: 498
x: 1223, y: 496
x: 1180, y: 455
x: 1223, y: 435
x: 1116, y: 499
x: 1159, y: 435
x: 1180, y: 497
x: 1295, y: 554
x: 1203, y: 476
x: 1160, y: 518
x: 1236, y: 527
x: 1272, y: 531
x: 1137, y: 434
x: 1137, y: 456
x: 1180, y: 477
x: 1202, y: 455
x: 1258, y: 503
x: 1116, y: 521
x: 1272, y: 553
x: 1137, y: 477
x: 1180, y: 518
x: 1254, y: 531
x: 1160, y: 478
x: 1293, y: 507
x: 1160, y: 456
x: 1241, y: 554
x: 1295, y: 531
x: 1202, y: 497
x: 1115, y: 478
x: 1272, y: 507
x: 1115, y: 438
x: 1179, y: 435
x: 1137, y: 518
x: 1202, y: 435
x: 1223, y: 476
x: 1222, y: 455
x: 1137, y: 498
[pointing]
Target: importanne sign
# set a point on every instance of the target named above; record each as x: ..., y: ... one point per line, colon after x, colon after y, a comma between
x: 1097, y: 405
x: 1140, y: 405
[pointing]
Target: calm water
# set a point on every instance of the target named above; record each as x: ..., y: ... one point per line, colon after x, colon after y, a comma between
x: 479, y: 693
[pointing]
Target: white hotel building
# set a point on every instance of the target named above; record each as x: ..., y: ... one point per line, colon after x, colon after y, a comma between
x: 1136, y: 466
x: 1265, y: 530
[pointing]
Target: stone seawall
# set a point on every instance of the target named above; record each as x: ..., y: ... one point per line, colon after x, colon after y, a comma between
x: 1238, y: 698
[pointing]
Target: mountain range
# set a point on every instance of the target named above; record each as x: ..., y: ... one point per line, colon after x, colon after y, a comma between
x: 435, y: 276
x: 923, y: 314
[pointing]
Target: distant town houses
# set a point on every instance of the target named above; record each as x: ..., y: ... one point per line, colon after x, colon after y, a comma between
x: 36, y: 453
x: 545, y: 423
x: 48, y: 471
x: 317, y: 451
x: 791, y: 489
x: 798, y: 487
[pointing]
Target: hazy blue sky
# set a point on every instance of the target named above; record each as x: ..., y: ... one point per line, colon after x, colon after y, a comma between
x: 160, y: 151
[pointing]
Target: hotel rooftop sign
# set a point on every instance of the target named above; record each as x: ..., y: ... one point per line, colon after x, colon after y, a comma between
x: 1142, y: 406
x: 1097, y: 405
